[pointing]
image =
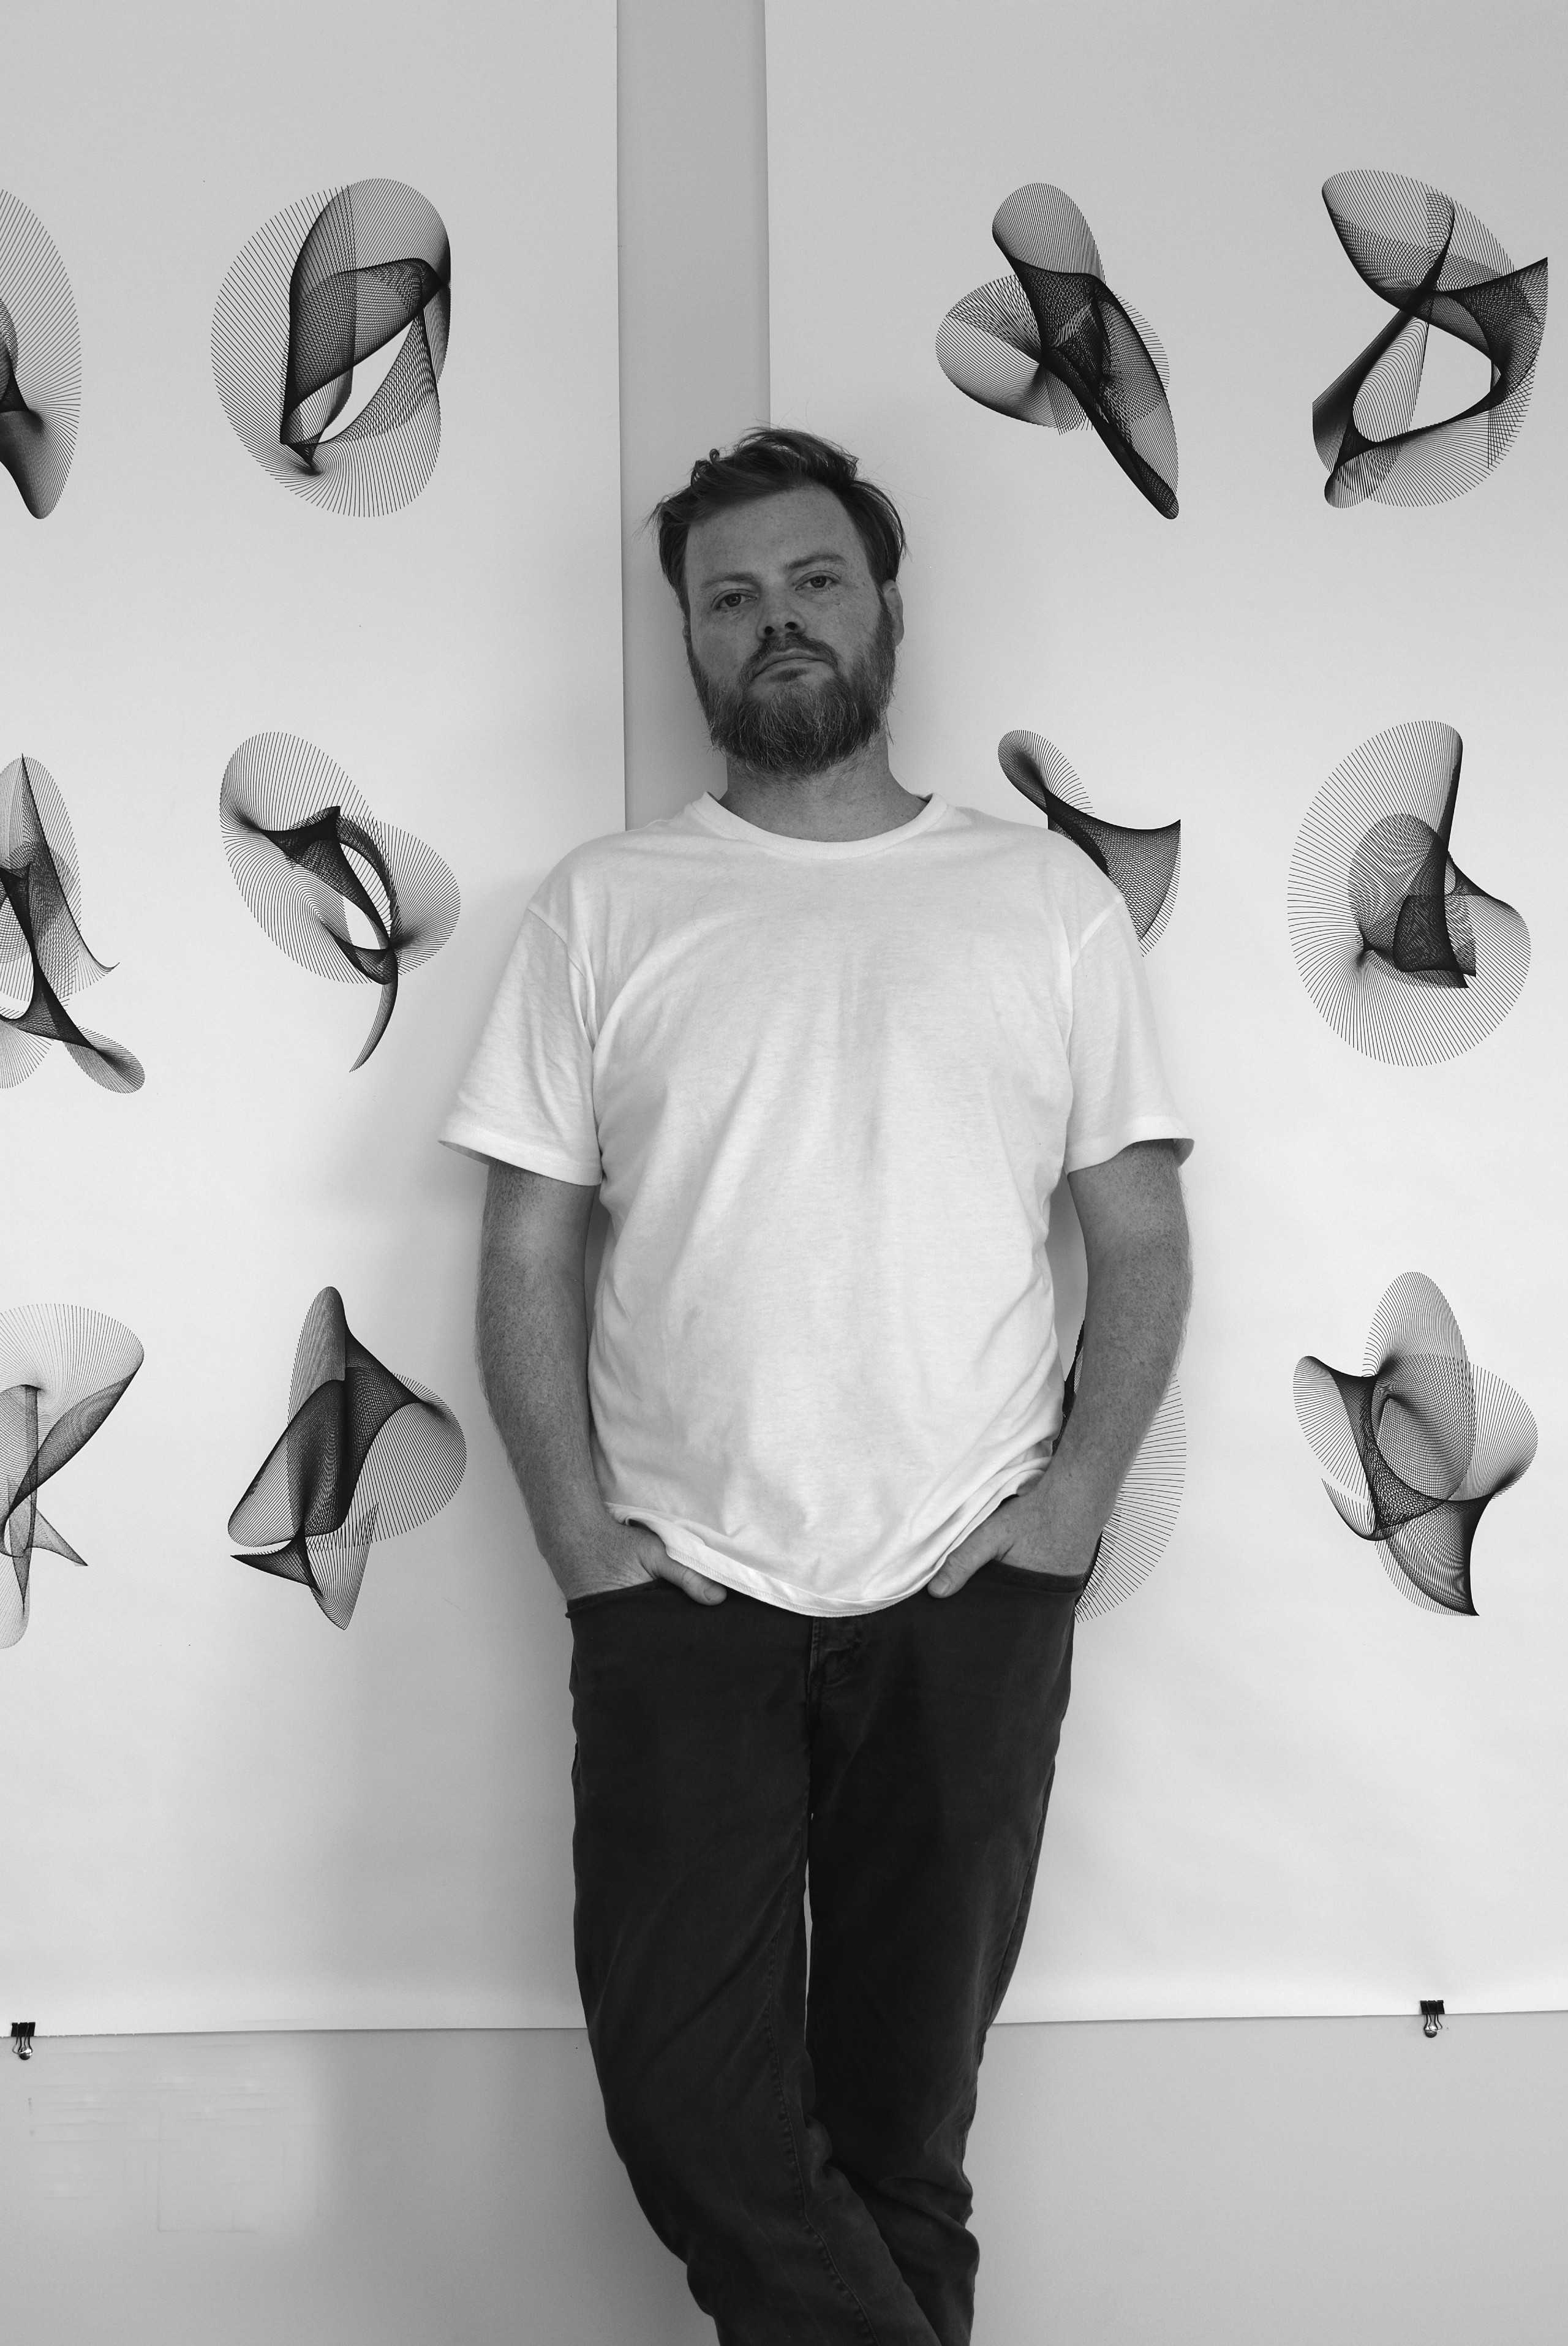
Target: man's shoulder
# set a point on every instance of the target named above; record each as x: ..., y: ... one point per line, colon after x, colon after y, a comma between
x: 603, y: 861
x: 1073, y: 881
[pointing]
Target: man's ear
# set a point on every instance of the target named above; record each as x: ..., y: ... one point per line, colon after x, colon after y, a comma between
x: 895, y: 604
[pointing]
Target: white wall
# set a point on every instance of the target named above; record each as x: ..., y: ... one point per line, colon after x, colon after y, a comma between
x: 1152, y: 2184
x: 694, y: 333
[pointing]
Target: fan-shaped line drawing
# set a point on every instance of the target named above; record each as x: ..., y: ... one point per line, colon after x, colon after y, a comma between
x: 40, y: 358
x: 1146, y: 865
x: 1436, y: 265
x: 306, y: 850
x: 44, y: 957
x: 1147, y: 1504
x: 365, y: 1456
x: 1415, y: 1448
x: 1051, y: 344
x: 62, y: 1370
x: 1404, y: 955
x: 316, y: 289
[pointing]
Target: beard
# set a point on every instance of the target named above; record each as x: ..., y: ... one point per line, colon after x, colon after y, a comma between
x: 796, y: 729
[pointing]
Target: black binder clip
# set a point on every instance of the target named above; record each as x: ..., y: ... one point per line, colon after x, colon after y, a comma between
x: 22, y: 2038
x: 1431, y: 2015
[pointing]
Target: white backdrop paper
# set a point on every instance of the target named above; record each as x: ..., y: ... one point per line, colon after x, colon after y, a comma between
x: 224, y: 1812
x: 1283, y: 1788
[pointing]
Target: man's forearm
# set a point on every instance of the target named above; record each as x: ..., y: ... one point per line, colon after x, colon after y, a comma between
x: 533, y: 1361
x: 1133, y: 1328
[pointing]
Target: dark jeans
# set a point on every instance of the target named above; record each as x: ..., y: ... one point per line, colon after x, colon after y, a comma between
x: 804, y: 2156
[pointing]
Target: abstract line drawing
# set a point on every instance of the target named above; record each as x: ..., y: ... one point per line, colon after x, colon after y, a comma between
x: 1436, y: 265
x: 1051, y: 344
x: 44, y: 957
x: 1415, y: 1448
x: 62, y: 1370
x: 365, y: 1456
x: 1146, y: 865
x: 315, y: 292
x: 40, y: 360
x: 307, y: 852
x: 1407, y: 958
x: 1147, y: 1504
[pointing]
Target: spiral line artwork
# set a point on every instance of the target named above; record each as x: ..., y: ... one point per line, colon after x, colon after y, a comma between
x: 40, y: 360
x: 62, y: 1370
x: 315, y: 292
x: 365, y: 1456
x: 44, y: 957
x: 1405, y: 956
x: 1146, y: 865
x: 306, y: 850
x: 1141, y: 1523
x: 1051, y: 344
x: 1436, y: 265
x: 1415, y: 1448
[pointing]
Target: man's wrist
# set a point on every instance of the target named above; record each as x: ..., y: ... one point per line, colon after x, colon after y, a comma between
x: 1074, y: 1495
x: 576, y: 1544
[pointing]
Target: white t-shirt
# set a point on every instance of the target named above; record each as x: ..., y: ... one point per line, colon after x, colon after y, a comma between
x: 829, y: 1087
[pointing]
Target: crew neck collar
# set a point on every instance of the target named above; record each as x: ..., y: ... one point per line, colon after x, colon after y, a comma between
x: 728, y: 825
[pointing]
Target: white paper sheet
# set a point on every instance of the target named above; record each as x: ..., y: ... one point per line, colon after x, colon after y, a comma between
x: 225, y: 1812
x: 1282, y: 1787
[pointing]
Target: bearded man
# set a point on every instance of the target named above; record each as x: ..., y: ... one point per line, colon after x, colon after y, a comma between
x: 826, y: 1049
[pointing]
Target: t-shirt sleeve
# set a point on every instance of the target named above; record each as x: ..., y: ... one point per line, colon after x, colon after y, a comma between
x: 528, y: 1095
x: 1119, y: 1090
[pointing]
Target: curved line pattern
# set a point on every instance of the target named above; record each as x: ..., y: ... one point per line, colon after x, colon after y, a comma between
x: 1406, y: 957
x: 40, y: 360
x: 1415, y: 1448
x: 306, y: 850
x: 62, y: 1370
x: 44, y: 957
x: 1053, y: 345
x: 316, y: 291
x: 365, y: 1456
x: 1147, y: 1504
x: 1146, y: 865
x: 1436, y: 265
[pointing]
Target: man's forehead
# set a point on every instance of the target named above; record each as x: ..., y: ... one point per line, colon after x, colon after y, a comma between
x: 774, y: 531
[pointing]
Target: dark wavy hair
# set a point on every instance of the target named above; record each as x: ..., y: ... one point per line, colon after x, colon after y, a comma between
x: 761, y: 464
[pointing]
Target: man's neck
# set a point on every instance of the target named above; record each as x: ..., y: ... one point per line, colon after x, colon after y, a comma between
x: 853, y: 800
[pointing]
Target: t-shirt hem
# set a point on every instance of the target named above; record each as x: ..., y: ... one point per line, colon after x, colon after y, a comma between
x: 509, y: 1148
x: 1100, y: 1148
x: 687, y: 1546
x: 766, y: 1590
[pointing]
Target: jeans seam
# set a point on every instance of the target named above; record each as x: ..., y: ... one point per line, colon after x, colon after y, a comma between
x: 1020, y: 1915
x: 782, y: 2101
x: 1015, y: 1930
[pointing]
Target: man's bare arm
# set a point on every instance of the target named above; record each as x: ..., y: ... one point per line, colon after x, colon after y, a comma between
x: 533, y: 1342
x: 532, y: 1339
x: 1140, y: 1279
x: 1136, y: 1239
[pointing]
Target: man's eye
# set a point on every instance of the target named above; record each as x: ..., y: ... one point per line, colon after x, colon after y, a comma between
x: 821, y: 578
x: 735, y: 595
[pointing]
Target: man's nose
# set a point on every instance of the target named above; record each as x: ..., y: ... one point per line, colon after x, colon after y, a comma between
x: 778, y: 621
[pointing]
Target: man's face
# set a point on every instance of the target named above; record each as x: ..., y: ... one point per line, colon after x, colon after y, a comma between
x: 790, y: 640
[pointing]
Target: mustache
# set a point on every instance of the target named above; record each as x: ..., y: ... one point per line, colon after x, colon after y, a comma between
x: 794, y: 647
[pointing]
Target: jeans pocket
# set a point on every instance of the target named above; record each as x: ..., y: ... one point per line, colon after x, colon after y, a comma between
x: 597, y: 1596
x: 1022, y: 1576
